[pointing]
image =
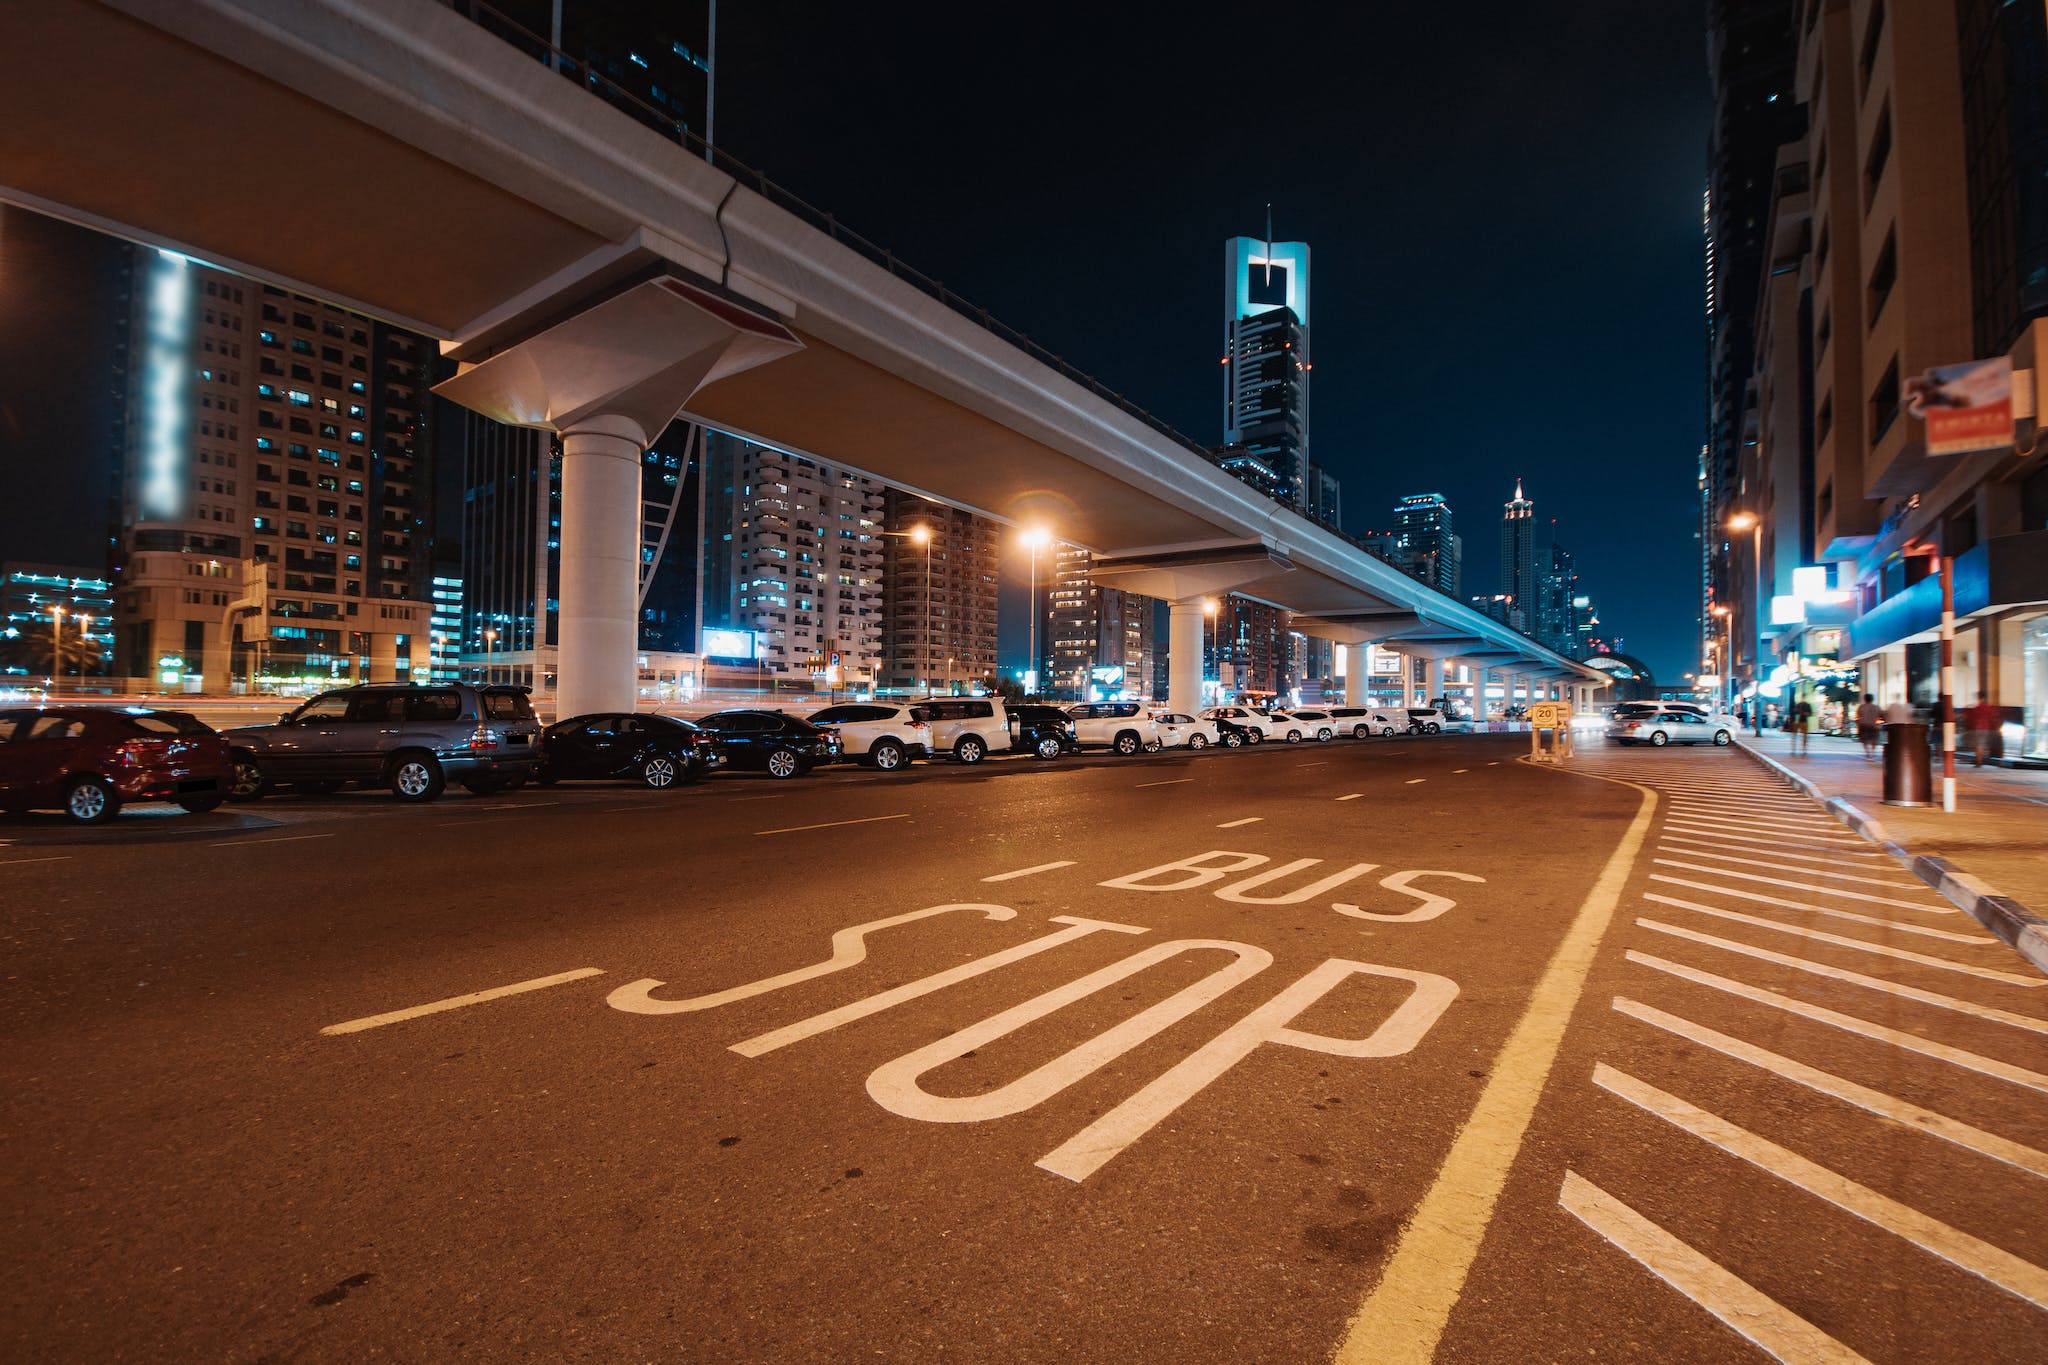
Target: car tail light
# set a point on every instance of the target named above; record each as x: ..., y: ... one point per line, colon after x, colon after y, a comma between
x: 136, y: 752
x: 483, y: 739
x: 918, y: 725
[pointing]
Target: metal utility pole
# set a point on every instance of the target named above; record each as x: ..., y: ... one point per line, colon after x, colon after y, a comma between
x: 1947, y: 704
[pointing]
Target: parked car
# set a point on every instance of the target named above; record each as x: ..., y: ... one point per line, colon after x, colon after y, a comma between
x: 968, y: 728
x: 881, y: 735
x: 413, y: 739
x: 770, y: 742
x: 1042, y: 731
x: 1362, y: 721
x: 89, y: 761
x: 1120, y: 726
x: 1296, y: 726
x: 1178, y: 730
x: 1682, y: 724
x: 1258, y: 726
x: 1426, y: 720
x: 657, y: 751
x: 1231, y: 734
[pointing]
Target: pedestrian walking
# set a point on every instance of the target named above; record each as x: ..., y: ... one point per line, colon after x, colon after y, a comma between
x: 1901, y: 712
x: 1798, y: 719
x: 1869, y: 716
x: 1981, y: 723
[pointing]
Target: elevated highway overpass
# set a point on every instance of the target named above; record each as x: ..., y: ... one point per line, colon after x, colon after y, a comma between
x: 596, y: 278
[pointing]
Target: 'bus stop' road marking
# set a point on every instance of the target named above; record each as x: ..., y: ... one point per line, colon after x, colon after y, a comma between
x: 1028, y: 871
x: 454, y: 1002
x: 829, y: 824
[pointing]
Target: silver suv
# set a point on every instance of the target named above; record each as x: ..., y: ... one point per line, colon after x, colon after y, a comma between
x: 413, y: 739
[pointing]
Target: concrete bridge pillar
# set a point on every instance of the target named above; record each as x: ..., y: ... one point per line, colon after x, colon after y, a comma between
x: 1188, y: 623
x: 600, y: 581
x: 383, y: 656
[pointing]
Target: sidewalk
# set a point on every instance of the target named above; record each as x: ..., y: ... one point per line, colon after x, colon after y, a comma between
x: 1997, y: 839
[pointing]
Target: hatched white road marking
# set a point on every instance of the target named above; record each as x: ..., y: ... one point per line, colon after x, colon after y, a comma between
x: 1935, y: 998
x: 1796, y: 886
x: 1699, y: 847
x: 1860, y: 945
x: 1758, y: 827
x: 1891, y: 1107
x: 458, y: 1001
x: 1740, y: 1306
x: 1028, y: 871
x: 2017, y: 1277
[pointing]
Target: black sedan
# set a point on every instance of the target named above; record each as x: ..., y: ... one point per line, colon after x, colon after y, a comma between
x: 1044, y: 731
x: 769, y: 742
x: 656, y: 751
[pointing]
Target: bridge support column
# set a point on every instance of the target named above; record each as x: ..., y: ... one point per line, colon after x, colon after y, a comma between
x: 1188, y: 623
x: 600, y: 574
x: 383, y: 656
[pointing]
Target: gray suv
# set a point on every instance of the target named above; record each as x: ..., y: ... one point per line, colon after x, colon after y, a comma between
x: 413, y: 739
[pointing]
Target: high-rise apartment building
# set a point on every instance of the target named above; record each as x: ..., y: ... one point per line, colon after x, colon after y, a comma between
x: 1096, y: 641
x: 1325, y: 502
x: 803, y: 561
x: 1266, y: 366
x: 1425, y: 547
x: 1557, y: 582
x: 277, y: 487
x: 1518, y: 559
x: 939, y: 595
x: 1904, y: 231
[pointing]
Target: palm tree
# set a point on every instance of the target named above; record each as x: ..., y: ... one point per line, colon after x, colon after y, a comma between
x: 48, y: 648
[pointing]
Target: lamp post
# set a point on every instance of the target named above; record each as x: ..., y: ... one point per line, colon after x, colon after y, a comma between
x: 84, y: 640
x: 490, y: 656
x: 56, y: 644
x: 1035, y: 538
x: 922, y: 535
x: 1754, y: 524
x: 1209, y: 609
x: 1727, y: 656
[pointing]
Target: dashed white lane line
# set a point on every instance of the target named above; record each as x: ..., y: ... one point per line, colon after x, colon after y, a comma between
x: 2019, y: 1278
x: 1319, y: 763
x: 1860, y: 945
x: 1827, y: 1083
x: 1456, y: 771
x: 1413, y: 780
x: 1248, y: 820
x: 830, y: 824
x: 1876, y: 983
x: 1028, y: 871
x: 1351, y: 797
x: 1739, y: 1305
x: 455, y: 1002
x: 10, y: 862
x: 284, y: 839
x: 1169, y: 782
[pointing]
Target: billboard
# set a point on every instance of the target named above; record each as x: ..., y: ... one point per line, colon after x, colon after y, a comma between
x: 1107, y: 675
x: 1966, y: 406
x: 731, y: 644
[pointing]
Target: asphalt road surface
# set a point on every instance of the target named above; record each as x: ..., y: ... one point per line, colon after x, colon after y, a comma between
x: 1367, y: 1051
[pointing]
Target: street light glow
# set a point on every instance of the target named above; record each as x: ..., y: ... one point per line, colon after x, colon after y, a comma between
x: 1037, y: 537
x: 1742, y: 521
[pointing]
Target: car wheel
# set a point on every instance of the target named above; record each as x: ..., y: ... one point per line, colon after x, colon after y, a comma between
x: 887, y: 755
x: 1294, y: 736
x: 1360, y: 731
x: 245, y: 778
x: 1255, y: 736
x: 970, y: 749
x: 199, y: 805
x: 660, y: 772
x: 1325, y: 735
x: 1198, y: 741
x: 416, y: 777
x: 1230, y: 739
x: 1658, y: 739
x: 1126, y: 744
x: 1722, y: 739
x: 1047, y: 747
x: 90, y: 801
x: 1387, y: 733
x: 1432, y: 729
x: 783, y: 763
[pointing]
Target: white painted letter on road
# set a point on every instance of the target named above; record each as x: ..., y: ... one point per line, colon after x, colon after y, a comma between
x: 1241, y: 891
x: 1196, y: 871
x: 1432, y: 904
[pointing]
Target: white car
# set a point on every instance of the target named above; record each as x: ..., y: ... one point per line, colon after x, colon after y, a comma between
x: 1258, y: 725
x: 879, y: 734
x: 968, y: 728
x: 1360, y: 721
x: 1426, y: 720
x: 1671, y: 725
x: 1296, y: 726
x: 1177, y: 730
x: 1121, y: 726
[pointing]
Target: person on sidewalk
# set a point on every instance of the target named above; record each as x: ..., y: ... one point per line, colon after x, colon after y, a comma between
x: 1901, y: 712
x: 1980, y: 724
x: 1868, y: 717
x: 1798, y: 720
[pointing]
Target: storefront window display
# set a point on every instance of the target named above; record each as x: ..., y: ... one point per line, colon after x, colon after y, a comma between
x: 2034, y: 646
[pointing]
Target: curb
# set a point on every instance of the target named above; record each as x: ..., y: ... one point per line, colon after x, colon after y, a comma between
x: 2014, y: 923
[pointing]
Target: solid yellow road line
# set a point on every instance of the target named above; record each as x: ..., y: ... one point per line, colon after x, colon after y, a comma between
x: 1404, y: 1315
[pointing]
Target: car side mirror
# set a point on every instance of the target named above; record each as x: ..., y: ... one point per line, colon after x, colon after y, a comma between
x: 285, y: 718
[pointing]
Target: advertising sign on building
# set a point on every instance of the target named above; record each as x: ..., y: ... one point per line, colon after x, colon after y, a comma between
x: 1966, y: 406
x: 729, y: 644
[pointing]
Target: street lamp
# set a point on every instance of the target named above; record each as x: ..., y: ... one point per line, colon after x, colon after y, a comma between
x: 56, y: 643
x: 490, y: 656
x: 1036, y: 537
x: 1754, y: 524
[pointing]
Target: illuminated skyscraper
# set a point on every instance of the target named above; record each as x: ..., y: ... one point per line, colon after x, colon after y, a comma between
x: 1266, y: 366
x: 1518, y: 560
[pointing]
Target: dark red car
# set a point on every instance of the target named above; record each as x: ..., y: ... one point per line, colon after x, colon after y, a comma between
x: 89, y: 761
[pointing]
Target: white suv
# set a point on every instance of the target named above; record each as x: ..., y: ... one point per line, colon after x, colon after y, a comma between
x: 968, y: 728
x: 1257, y: 724
x: 1120, y: 725
x: 1178, y: 729
x: 878, y: 734
x: 1360, y: 721
x: 1296, y: 726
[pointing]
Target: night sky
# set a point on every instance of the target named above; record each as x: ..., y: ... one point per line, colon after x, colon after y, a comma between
x: 1502, y: 202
